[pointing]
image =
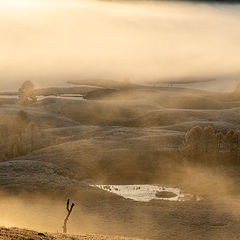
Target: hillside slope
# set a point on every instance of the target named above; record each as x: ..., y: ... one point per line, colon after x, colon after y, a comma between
x: 23, y: 234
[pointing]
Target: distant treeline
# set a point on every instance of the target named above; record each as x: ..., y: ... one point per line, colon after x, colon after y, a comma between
x: 208, y: 143
x: 20, y: 136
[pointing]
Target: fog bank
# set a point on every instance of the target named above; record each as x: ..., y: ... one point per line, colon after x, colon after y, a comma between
x: 54, y: 41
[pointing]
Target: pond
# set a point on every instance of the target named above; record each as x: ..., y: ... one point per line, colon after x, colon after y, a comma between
x: 77, y: 97
x: 146, y: 193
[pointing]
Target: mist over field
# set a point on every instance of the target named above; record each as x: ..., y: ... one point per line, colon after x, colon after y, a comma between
x: 55, y: 41
x: 119, y: 120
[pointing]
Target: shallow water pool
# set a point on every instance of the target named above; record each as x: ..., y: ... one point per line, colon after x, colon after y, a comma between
x: 77, y: 97
x: 145, y: 192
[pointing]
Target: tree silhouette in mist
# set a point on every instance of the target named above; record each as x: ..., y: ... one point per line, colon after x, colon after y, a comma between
x: 69, y: 210
x: 26, y: 93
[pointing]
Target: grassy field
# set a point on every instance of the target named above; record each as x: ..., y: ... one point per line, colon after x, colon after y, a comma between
x: 131, y: 135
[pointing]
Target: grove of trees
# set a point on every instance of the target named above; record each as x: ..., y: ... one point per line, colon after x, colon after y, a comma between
x: 19, y: 136
x: 200, y: 142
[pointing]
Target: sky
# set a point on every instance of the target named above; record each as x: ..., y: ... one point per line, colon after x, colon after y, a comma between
x: 53, y: 41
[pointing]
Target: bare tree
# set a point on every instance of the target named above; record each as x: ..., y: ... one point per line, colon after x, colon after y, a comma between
x: 69, y: 210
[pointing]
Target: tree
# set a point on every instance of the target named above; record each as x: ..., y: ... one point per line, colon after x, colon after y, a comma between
x: 229, y: 138
x: 219, y: 137
x: 192, y: 138
x: 237, y: 134
x: 208, y: 139
x: 22, y: 116
x: 12, y: 146
x: 22, y: 119
x: 26, y: 93
x: 32, y: 136
x: 69, y: 211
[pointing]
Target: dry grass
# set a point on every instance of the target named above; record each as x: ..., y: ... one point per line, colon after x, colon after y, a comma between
x: 128, y: 136
x: 23, y: 234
